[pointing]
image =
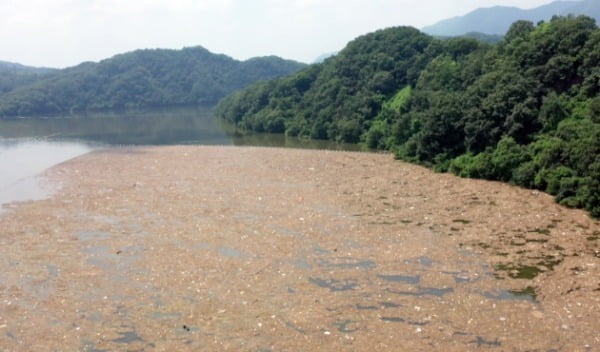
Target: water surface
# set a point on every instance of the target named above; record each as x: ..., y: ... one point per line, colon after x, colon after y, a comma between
x: 29, y: 146
x: 22, y: 160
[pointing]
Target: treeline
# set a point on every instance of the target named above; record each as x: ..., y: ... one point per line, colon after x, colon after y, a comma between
x: 525, y: 110
x: 139, y: 79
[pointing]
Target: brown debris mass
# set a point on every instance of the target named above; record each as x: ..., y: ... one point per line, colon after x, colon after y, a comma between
x: 259, y: 249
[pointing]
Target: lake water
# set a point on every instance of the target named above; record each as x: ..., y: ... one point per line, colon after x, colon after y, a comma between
x: 29, y: 146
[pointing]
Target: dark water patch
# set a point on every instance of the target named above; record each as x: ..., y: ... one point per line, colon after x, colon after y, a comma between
x: 393, y: 319
x: 536, y: 240
x: 335, y: 285
x: 231, y: 252
x: 247, y: 218
x: 527, y: 294
x: 361, y: 307
x: 354, y: 244
x: 418, y: 323
x: 346, y: 263
x: 545, y: 231
x: 264, y: 349
x: 103, y: 264
x: 89, y: 346
x: 301, y: 263
x: 53, y: 270
x: 382, y: 223
x: 85, y: 236
x: 287, y: 232
x: 422, y: 260
x: 95, y: 317
x: 128, y: 337
x: 97, y: 250
x: 411, y: 280
x: 346, y: 326
x: 320, y: 251
x: 292, y: 326
x: 425, y: 291
x: 111, y: 220
x: 203, y: 246
x: 463, y: 277
x: 164, y: 316
x: 480, y: 341
x: 390, y: 305
x: 116, y: 263
x: 184, y: 329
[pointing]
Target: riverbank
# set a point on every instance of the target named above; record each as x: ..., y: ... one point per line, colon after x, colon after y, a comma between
x: 225, y: 248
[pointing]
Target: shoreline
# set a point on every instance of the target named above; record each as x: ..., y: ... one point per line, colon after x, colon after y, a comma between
x: 244, y: 248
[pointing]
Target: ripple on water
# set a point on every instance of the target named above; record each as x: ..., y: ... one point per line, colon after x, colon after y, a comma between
x: 335, y: 285
x: 425, y: 291
x: 85, y: 236
x: 407, y: 279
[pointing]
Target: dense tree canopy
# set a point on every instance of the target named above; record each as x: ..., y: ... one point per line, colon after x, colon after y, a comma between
x: 143, y: 78
x: 525, y: 110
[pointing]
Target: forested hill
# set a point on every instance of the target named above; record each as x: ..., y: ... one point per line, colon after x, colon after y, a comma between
x: 139, y: 79
x: 13, y: 75
x: 525, y: 110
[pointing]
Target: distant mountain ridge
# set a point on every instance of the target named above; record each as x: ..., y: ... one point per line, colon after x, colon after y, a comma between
x: 139, y: 79
x: 482, y: 37
x: 496, y: 20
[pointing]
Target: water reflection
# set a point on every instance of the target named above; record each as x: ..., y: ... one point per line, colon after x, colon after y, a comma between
x: 156, y: 127
x: 29, y: 146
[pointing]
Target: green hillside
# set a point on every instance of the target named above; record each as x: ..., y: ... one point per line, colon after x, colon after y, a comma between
x: 13, y: 75
x: 525, y: 110
x: 139, y: 79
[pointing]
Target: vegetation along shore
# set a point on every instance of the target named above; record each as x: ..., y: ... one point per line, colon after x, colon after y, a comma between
x: 525, y: 110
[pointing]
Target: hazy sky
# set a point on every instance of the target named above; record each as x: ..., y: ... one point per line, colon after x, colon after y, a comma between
x: 60, y: 33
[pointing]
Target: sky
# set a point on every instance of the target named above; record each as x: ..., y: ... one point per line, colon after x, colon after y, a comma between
x: 62, y: 33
